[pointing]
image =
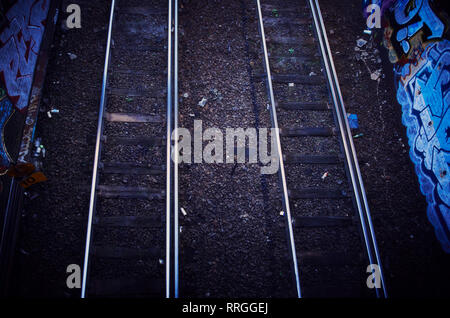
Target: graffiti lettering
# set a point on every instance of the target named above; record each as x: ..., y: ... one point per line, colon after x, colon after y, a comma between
x: 422, y: 67
x: 405, y: 11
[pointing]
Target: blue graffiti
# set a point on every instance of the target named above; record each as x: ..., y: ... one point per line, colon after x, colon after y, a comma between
x: 406, y: 10
x: 425, y: 100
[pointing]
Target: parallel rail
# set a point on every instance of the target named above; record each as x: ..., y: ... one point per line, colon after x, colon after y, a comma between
x: 346, y: 139
x: 119, y: 192
x: 282, y: 174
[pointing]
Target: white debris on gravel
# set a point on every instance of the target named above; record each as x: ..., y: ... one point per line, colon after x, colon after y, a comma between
x: 72, y: 56
x: 366, y: 53
x: 202, y: 103
x: 361, y: 42
x: 183, y: 211
x: 375, y: 75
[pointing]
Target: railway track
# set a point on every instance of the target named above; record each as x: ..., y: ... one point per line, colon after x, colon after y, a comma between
x: 324, y: 200
x: 132, y: 233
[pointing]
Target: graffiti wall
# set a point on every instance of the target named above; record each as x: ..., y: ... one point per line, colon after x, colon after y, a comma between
x: 416, y: 36
x: 20, y: 40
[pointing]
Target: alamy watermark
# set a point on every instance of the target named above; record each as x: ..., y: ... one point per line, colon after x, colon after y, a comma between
x: 237, y: 141
x: 74, y: 278
x: 374, y: 279
x: 374, y: 18
x: 73, y: 21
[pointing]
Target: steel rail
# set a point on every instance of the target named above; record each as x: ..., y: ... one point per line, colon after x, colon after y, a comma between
x: 176, y: 156
x: 97, y: 155
x: 347, y: 140
x: 282, y: 174
x: 355, y: 158
x: 168, y: 150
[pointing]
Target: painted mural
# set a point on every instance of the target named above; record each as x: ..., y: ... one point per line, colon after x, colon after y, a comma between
x: 20, y: 40
x: 416, y: 36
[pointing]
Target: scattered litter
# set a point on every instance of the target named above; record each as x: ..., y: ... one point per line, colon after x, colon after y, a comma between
x: 183, y: 211
x: 367, y: 31
x: 291, y: 50
x: 161, y: 261
x: 72, y: 56
x: 202, y: 103
x: 361, y: 42
x: 291, y: 84
x: 36, y: 177
x: 181, y: 229
x: 52, y: 111
x: 375, y: 75
x: 244, y: 216
x: 38, y: 146
x: 186, y: 95
x: 312, y: 74
x: 324, y: 176
x: 281, y: 213
x: 275, y: 12
x: 358, y: 135
x: 192, y: 115
x: 331, y: 31
x: 353, y: 121
x: 129, y: 99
